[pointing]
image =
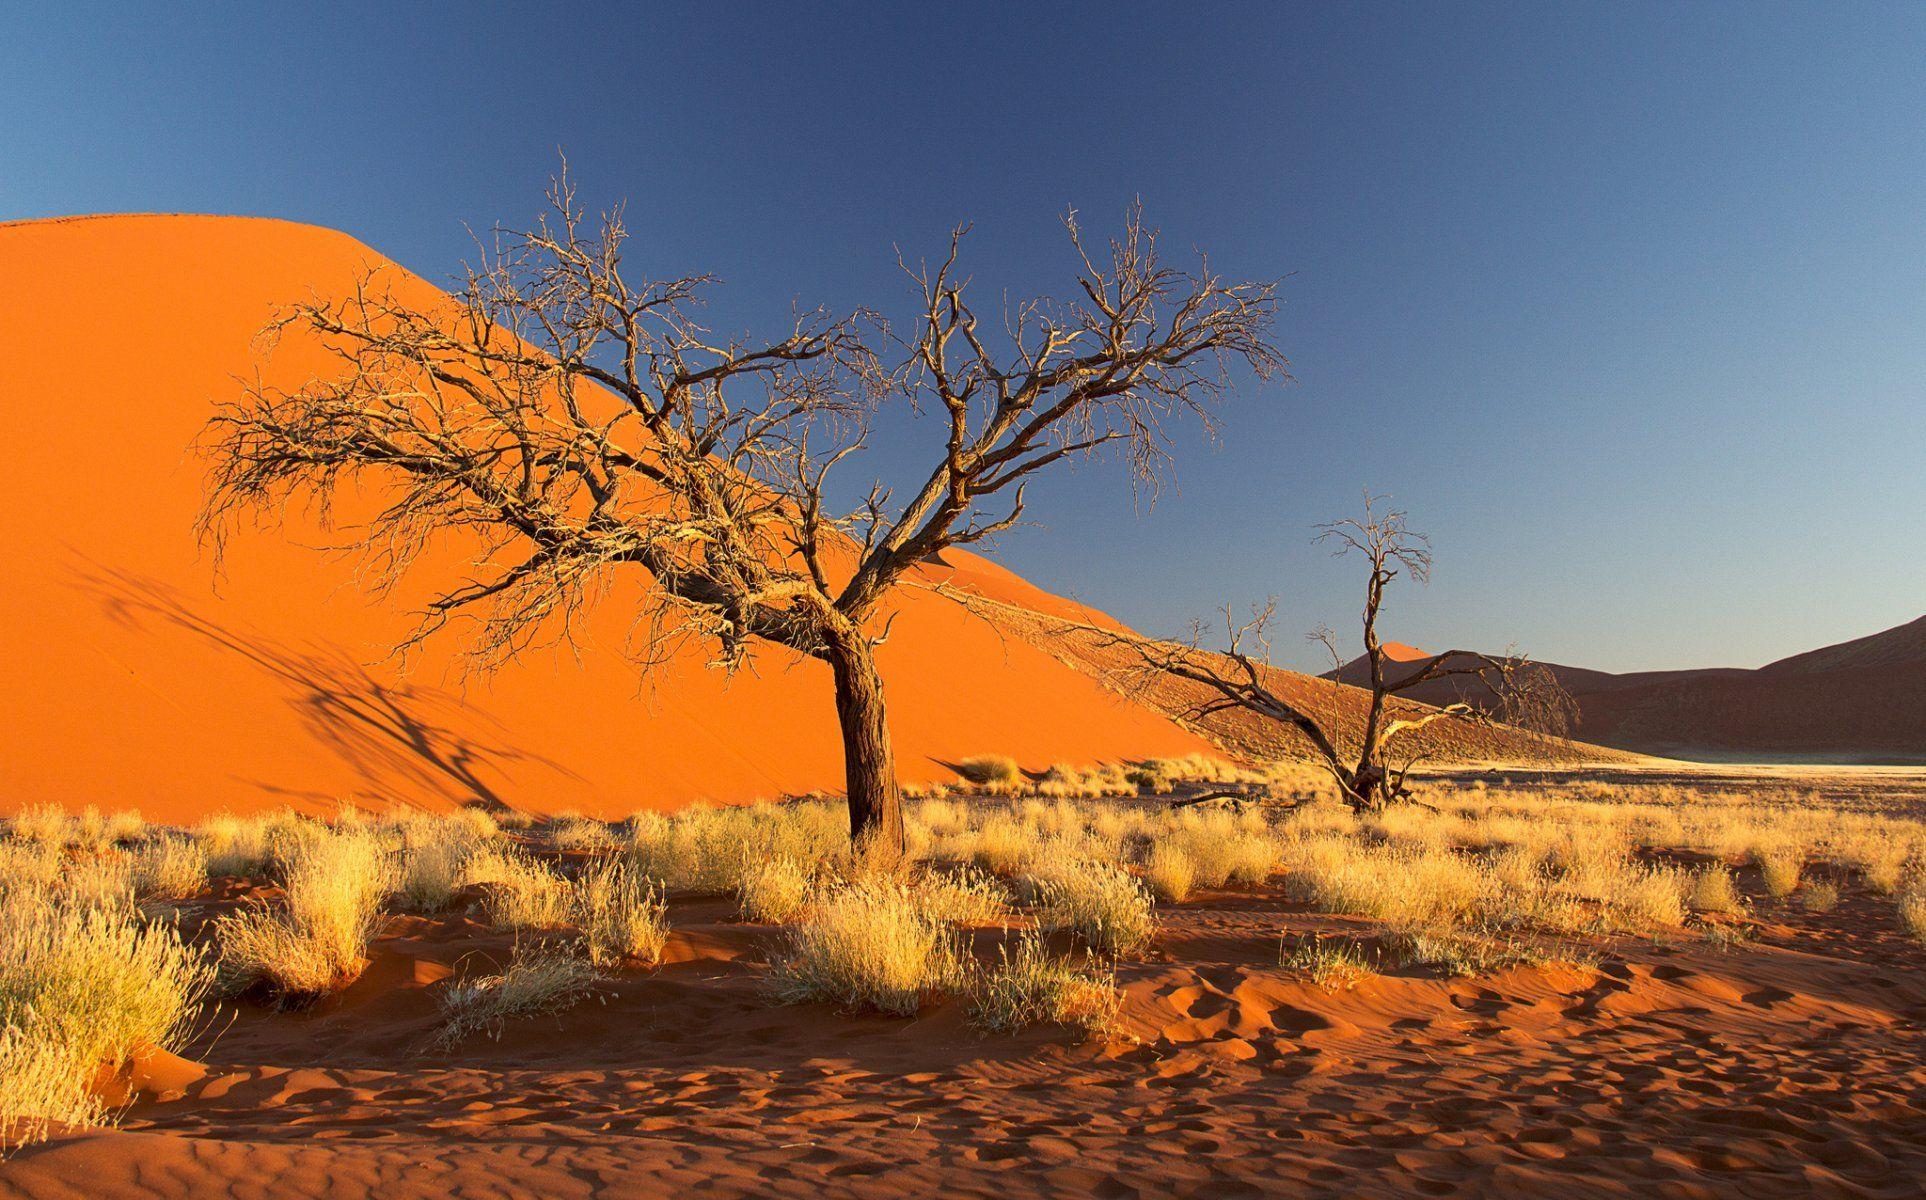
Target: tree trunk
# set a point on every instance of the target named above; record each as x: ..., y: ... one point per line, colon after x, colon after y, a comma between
x: 869, y: 762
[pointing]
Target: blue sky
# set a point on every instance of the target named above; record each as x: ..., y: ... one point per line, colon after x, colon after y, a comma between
x: 1626, y: 302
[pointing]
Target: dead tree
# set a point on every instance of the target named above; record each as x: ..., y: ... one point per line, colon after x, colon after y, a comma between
x: 1361, y: 763
x: 562, y: 417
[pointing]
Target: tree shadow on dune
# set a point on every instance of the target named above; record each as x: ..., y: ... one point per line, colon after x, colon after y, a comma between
x: 400, y: 738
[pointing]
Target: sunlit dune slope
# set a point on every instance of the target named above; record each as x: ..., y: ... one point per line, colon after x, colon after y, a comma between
x: 132, y: 680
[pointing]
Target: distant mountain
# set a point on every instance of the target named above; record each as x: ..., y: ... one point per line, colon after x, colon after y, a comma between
x: 1859, y: 701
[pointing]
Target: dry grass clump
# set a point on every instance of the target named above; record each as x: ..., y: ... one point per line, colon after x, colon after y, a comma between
x: 520, y: 892
x: 774, y: 891
x: 622, y: 916
x: 103, y: 980
x: 1780, y: 871
x: 585, y: 836
x: 1715, y: 891
x: 1062, y: 781
x: 1035, y: 987
x: 1405, y: 887
x: 239, y: 846
x: 1335, y: 965
x: 333, y: 883
x: 706, y: 850
x: 1820, y: 896
x: 992, y: 771
x: 535, y: 983
x: 1464, y: 954
x: 1912, y: 912
x: 82, y: 987
x: 1223, y: 847
x: 1170, y: 872
x: 88, y: 830
x: 170, y: 867
x: 869, y: 945
x: 100, y: 882
x: 44, y: 1085
x: 1103, y: 906
x: 435, y: 856
x: 963, y: 897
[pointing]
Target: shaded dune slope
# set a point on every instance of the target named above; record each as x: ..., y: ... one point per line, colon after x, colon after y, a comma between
x: 1861, y: 700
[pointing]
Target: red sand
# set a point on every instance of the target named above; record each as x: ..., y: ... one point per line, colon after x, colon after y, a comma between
x: 132, y: 682
x: 1790, y: 1066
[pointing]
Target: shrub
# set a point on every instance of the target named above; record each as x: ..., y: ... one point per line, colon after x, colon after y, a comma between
x: 333, y: 883
x: 1715, y: 891
x: 868, y: 945
x: 1034, y: 986
x: 774, y: 891
x: 622, y: 916
x: 1103, y: 906
x: 539, y: 982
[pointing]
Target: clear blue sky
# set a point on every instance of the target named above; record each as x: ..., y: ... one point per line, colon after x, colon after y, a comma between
x: 1626, y: 302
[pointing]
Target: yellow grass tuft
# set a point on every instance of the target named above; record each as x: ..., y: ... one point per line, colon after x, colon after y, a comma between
x: 622, y: 916
x: 83, y: 987
x: 170, y: 867
x: 521, y: 892
x: 992, y: 771
x: 1170, y: 872
x: 1035, y: 987
x: 774, y: 891
x: 535, y: 983
x: 963, y: 897
x: 1336, y: 965
x: 1103, y: 906
x: 1715, y: 891
x: 1780, y: 870
x: 869, y: 945
x: 316, y: 941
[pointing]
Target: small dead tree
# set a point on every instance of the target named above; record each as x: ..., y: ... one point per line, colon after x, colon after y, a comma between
x: 562, y: 417
x: 1360, y: 763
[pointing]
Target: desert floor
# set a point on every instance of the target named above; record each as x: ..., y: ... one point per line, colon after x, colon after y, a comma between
x: 1792, y: 1063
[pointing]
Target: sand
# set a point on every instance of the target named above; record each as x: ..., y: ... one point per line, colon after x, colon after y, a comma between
x: 1794, y: 1065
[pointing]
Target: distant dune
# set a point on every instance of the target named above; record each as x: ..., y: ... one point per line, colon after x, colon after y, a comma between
x: 1859, y: 701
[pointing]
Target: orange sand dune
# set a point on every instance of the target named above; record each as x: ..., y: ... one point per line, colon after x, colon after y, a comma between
x: 132, y: 681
